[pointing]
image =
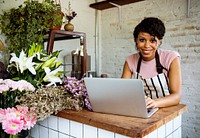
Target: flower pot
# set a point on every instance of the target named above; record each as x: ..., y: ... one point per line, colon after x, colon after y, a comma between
x: 55, y: 27
x: 69, y: 27
x: 56, y: 22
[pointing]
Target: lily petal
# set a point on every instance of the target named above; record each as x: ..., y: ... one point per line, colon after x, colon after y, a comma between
x: 51, y: 76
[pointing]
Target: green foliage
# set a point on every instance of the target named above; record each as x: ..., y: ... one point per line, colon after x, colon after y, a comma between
x: 28, y: 23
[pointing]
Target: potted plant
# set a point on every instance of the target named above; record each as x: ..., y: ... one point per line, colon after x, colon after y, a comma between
x: 28, y: 23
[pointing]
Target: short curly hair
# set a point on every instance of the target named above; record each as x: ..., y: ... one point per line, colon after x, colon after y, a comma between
x: 151, y: 25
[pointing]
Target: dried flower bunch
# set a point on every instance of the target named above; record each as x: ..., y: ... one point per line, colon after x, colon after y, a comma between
x: 70, y: 13
x: 50, y: 100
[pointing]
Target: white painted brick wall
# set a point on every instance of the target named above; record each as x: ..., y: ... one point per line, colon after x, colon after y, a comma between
x: 182, y: 35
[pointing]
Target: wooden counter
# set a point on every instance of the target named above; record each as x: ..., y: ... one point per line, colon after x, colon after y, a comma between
x: 128, y: 126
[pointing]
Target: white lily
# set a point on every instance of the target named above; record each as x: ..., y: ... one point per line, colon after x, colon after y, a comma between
x: 23, y: 62
x: 51, y: 76
x: 44, y: 57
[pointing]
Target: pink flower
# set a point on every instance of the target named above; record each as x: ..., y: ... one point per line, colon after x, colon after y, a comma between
x: 2, y: 115
x: 24, y: 85
x: 12, y: 126
x: 29, y: 121
x: 15, y: 119
x: 22, y: 109
x: 11, y: 84
x: 21, y: 85
x: 12, y: 113
x: 3, y: 88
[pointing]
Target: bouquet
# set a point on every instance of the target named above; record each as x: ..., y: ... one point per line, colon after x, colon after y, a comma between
x: 31, y: 93
x: 36, y: 66
x: 14, y: 120
x: 13, y: 117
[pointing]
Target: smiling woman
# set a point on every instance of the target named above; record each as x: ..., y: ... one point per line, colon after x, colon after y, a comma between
x: 159, y: 69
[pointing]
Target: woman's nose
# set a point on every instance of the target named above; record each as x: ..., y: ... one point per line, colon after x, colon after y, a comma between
x: 147, y: 44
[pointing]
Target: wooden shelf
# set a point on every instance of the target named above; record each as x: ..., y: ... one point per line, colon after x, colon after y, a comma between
x: 102, y: 5
x: 111, y: 3
x: 57, y: 35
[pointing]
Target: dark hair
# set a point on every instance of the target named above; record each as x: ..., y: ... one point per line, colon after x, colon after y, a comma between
x: 151, y: 25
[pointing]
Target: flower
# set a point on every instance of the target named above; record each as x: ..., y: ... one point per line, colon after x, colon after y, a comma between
x: 10, y: 85
x: 51, y: 76
x: 23, y: 62
x: 70, y: 13
x: 31, y: 66
x: 78, y: 89
x: 15, y: 119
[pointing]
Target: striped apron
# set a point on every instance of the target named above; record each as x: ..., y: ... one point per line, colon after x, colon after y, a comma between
x: 157, y: 86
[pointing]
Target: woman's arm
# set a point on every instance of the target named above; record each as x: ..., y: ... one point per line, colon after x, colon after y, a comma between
x: 175, y: 82
x: 126, y: 71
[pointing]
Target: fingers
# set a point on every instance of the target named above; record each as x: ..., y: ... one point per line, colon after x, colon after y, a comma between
x: 150, y: 103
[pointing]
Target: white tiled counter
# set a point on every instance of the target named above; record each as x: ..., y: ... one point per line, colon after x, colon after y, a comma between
x: 166, y: 123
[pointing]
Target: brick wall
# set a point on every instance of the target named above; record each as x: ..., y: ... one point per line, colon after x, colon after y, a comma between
x: 182, y: 35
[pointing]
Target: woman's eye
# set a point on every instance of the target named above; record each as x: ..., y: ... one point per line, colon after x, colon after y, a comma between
x: 153, y: 41
x: 141, y: 40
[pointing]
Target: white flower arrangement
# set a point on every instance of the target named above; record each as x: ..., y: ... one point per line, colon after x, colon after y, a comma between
x: 36, y: 66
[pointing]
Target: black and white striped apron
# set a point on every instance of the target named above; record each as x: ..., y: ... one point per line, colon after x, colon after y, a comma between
x: 156, y: 86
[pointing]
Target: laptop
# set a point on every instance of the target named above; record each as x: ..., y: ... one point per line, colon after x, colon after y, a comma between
x: 118, y: 96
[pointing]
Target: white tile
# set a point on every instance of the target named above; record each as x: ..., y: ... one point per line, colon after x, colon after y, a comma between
x: 120, y: 136
x: 177, y: 122
x: 53, y: 134
x: 43, y: 122
x: 63, y: 125
x: 170, y: 136
x: 63, y: 135
x: 169, y: 128
x: 53, y: 122
x: 177, y: 133
x: 161, y: 132
x: 43, y: 131
x: 35, y: 131
x: 89, y: 131
x: 75, y: 129
x: 105, y: 134
x: 153, y: 134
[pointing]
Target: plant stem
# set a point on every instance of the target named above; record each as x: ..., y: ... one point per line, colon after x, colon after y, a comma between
x: 13, y: 136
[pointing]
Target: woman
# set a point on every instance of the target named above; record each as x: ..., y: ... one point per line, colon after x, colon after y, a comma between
x: 159, y: 69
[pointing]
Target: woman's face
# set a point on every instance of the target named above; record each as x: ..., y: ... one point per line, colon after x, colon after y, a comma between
x: 147, y: 45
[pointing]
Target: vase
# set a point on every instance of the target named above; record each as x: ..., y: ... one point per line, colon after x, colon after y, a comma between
x: 69, y: 27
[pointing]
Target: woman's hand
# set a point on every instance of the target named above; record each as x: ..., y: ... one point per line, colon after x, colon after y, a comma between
x: 150, y: 103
